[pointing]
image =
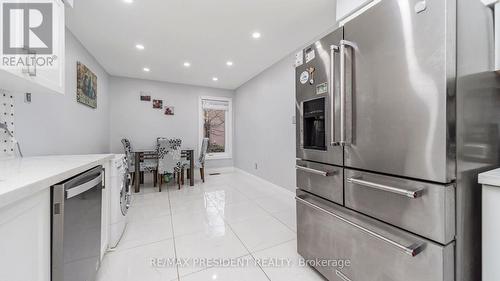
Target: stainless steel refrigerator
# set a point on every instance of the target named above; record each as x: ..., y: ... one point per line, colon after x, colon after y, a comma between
x: 398, y: 111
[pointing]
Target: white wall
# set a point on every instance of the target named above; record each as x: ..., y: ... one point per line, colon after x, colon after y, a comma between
x: 265, y: 115
x: 57, y: 124
x: 139, y: 122
x: 264, y: 131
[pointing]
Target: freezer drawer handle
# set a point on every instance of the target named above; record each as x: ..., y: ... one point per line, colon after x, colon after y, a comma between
x: 314, y: 171
x: 408, y: 193
x: 411, y: 250
x: 341, y: 275
x: 83, y: 187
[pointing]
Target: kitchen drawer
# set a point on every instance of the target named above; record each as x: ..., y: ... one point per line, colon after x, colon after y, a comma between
x: 323, y: 180
x: 419, y: 207
x: 374, y: 250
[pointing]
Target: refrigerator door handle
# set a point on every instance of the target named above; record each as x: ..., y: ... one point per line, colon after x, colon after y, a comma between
x: 343, y: 44
x: 412, y: 250
x: 495, y: 6
x: 342, y: 275
x: 333, y: 49
x: 314, y: 171
x: 301, y: 125
x: 396, y: 190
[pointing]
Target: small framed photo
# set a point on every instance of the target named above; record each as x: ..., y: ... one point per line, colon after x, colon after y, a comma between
x: 86, y: 86
x: 157, y: 104
x: 145, y: 98
x: 169, y: 110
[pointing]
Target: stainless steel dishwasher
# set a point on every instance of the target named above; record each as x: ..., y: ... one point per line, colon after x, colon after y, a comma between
x: 76, y: 227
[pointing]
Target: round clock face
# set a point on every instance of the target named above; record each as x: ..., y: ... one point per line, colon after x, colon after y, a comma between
x: 304, y: 77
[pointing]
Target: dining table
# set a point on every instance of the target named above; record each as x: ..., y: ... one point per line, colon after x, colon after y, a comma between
x: 148, y: 154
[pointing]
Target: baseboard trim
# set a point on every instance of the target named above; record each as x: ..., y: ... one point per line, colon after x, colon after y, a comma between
x: 222, y: 170
x: 283, y: 189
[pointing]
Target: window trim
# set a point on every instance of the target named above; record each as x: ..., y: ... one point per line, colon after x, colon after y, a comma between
x: 228, y: 154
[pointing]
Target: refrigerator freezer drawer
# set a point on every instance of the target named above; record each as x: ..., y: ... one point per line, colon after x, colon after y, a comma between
x: 322, y: 180
x: 329, y: 235
x: 419, y: 207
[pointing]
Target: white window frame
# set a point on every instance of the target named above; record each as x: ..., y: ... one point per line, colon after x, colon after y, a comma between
x: 228, y: 154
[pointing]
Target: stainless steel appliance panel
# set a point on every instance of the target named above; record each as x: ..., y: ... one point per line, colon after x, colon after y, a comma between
x: 478, y: 125
x: 398, y: 82
x: 76, y: 227
x: 322, y: 180
x: 377, y: 251
x: 319, y: 84
x: 419, y: 207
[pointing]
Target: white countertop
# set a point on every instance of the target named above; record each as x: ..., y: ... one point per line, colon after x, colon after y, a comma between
x: 22, y: 177
x: 490, y: 178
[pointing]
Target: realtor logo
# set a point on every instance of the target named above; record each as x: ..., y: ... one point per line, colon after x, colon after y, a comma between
x: 27, y: 28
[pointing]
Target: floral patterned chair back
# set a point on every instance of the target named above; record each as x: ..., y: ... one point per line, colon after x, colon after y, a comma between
x: 203, y: 152
x: 169, y: 155
x: 129, y: 155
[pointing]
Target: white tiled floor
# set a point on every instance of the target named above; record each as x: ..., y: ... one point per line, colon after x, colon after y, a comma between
x: 230, y: 216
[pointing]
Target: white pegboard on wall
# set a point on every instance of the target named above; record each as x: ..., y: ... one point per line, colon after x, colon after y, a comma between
x: 7, y: 144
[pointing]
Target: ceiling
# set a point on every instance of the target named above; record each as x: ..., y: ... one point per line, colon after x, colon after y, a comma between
x: 206, y: 33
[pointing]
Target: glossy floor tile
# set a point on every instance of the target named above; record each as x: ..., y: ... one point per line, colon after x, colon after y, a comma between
x: 223, y: 229
x: 151, y: 230
x: 276, y: 203
x: 247, y: 273
x: 195, y: 221
x: 292, y: 272
x: 262, y: 232
x: 239, y: 212
x: 289, y: 218
x: 220, y: 244
x: 135, y: 264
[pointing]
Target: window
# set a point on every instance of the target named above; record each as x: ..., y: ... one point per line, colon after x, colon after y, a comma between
x: 216, y: 125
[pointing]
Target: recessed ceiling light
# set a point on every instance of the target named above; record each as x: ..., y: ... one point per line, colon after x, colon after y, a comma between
x: 215, y: 79
x: 146, y: 69
x: 139, y: 46
x: 229, y: 63
x: 256, y: 35
x: 187, y: 64
x: 128, y: 1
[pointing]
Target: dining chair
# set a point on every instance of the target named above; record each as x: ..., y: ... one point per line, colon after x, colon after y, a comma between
x: 147, y: 166
x: 169, y: 160
x: 200, y: 162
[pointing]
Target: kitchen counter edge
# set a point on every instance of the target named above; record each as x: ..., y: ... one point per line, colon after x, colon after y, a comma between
x: 491, y: 178
x: 23, y: 177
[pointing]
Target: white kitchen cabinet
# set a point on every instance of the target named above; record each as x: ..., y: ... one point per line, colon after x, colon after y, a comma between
x: 41, y: 79
x: 490, y: 182
x: 25, y: 239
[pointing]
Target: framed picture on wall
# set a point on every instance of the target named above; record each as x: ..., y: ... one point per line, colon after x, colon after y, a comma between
x: 145, y: 96
x: 169, y: 110
x: 157, y: 104
x: 86, y: 86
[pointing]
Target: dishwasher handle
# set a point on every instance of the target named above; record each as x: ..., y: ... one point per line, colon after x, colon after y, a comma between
x: 74, y: 191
